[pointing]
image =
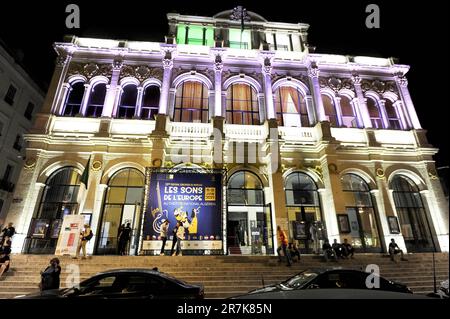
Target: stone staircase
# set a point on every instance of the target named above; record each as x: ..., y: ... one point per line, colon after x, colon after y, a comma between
x: 224, y: 276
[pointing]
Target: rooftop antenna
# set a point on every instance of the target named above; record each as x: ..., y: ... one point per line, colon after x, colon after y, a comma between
x: 240, y: 13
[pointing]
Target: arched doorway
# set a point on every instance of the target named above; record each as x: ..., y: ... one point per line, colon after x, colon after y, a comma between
x: 412, y: 216
x: 303, y: 206
x: 122, y: 205
x: 249, y: 221
x: 362, y: 220
x: 58, y: 199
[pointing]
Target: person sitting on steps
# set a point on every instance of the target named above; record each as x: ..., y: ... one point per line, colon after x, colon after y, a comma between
x: 394, y: 250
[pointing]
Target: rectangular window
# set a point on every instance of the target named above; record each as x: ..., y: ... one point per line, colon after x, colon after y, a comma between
x: 181, y: 34
x: 18, y: 143
x: 29, y: 111
x: 9, y: 97
x: 240, y: 40
x: 8, y: 173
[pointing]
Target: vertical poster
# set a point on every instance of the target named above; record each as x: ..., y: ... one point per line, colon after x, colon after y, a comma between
x: 194, y: 199
x: 70, y: 235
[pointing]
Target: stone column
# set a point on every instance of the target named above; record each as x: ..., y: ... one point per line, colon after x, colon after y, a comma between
x: 137, y: 110
x: 437, y: 206
x: 97, y: 205
x: 217, y: 54
x: 59, y: 106
x: 313, y: 73
x: 311, y: 112
x: 356, y: 79
x: 384, y: 114
x: 52, y: 98
x: 85, y: 100
x: 402, y: 85
x: 167, y: 51
x: 337, y: 106
x: 327, y: 199
x: 358, y: 114
x: 266, y: 61
x: 398, y: 105
x: 111, y: 92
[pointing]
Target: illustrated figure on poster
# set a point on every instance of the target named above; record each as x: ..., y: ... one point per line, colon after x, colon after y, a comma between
x: 159, y: 219
x: 193, y: 227
x: 181, y: 216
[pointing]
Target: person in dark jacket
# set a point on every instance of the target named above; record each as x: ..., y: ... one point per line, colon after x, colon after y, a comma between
x: 50, y: 276
x: 124, y: 238
x: 175, y: 238
x: 119, y: 233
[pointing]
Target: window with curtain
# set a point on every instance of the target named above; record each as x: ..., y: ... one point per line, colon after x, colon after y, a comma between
x: 191, y: 102
x: 96, y: 100
x: 242, y: 105
x: 150, y: 102
x: 246, y: 189
x: 290, y: 107
x: 374, y: 113
x: 392, y: 114
x: 330, y: 110
x: 348, y: 112
x: 74, y: 99
x: 127, y: 105
x: 59, y: 199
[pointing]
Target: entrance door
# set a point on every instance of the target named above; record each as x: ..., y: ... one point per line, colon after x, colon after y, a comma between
x: 414, y: 229
x: 363, y: 229
x: 237, y: 232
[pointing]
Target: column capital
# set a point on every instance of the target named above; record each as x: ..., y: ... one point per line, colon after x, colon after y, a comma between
x: 356, y: 79
x: 313, y: 70
x: 117, y: 64
x: 167, y: 63
x: 63, y: 59
x: 168, y: 50
x: 401, y: 79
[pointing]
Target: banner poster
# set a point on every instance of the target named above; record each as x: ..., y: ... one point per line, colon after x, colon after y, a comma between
x: 69, y: 235
x: 194, y: 199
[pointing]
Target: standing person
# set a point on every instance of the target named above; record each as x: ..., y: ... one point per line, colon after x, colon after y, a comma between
x: 394, y: 250
x: 50, y: 276
x: 124, y: 238
x: 164, y: 230
x: 85, y: 237
x: 119, y: 233
x: 5, y: 260
x: 8, y: 232
x: 282, y: 239
x: 174, y: 239
x: 314, y: 237
x: 180, y: 237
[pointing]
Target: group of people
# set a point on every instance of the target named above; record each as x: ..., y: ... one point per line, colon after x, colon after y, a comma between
x: 290, y: 250
x: 5, y: 248
x: 337, y: 250
x: 178, y: 233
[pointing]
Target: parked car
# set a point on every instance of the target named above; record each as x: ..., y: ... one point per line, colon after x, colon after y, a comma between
x: 335, y: 278
x: 126, y: 284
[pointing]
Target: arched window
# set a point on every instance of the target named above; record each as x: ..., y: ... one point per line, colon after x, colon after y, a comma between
x: 150, y: 102
x: 96, y: 100
x: 348, y: 112
x: 245, y: 188
x: 411, y: 214
x: 330, y: 110
x: 359, y: 220
x: 191, y: 102
x: 290, y: 107
x: 74, y: 99
x: 127, y: 105
x: 58, y: 199
x: 374, y: 113
x: 242, y: 105
x: 392, y: 114
x: 303, y: 206
x: 121, y: 206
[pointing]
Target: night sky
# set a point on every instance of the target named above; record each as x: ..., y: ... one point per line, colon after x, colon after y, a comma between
x: 415, y: 33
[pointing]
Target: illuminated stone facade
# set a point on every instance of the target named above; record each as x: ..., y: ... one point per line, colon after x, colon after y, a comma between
x: 329, y: 138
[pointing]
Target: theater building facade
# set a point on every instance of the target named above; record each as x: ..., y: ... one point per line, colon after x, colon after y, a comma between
x: 232, y: 132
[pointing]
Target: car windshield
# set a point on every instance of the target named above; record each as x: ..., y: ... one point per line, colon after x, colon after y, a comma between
x: 298, y: 280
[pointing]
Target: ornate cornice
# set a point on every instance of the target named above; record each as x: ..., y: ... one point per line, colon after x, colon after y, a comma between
x: 336, y: 84
x: 89, y: 70
x: 141, y: 72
